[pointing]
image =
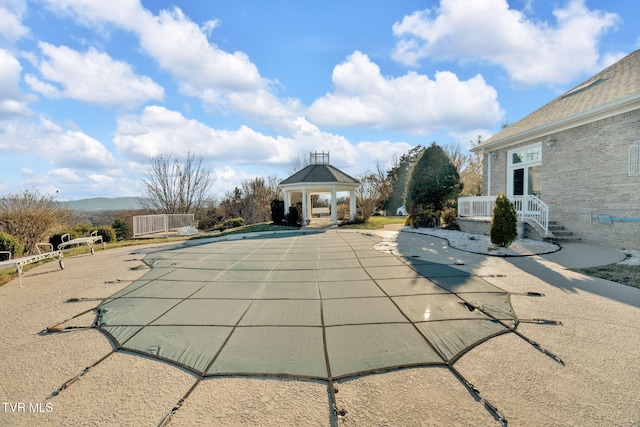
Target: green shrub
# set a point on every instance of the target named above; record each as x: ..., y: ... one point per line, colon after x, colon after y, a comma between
x: 232, y: 223
x: 122, y: 228
x: 277, y: 211
x: 293, y: 218
x: 108, y: 233
x: 427, y: 218
x: 211, y: 219
x: 504, y: 223
x: 407, y: 221
x: 56, y: 238
x: 81, y: 230
x: 448, y: 219
x: 11, y: 244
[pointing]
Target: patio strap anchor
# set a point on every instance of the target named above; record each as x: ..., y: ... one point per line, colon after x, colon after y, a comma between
x: 493, y: 410
x: 608, y: 219
x: 77, y: 377
x: 57, y: 327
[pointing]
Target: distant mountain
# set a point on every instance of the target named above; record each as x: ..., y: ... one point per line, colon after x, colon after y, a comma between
x: 104, y: 204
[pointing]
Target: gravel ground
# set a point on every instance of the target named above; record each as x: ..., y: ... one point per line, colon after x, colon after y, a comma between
x: 633, y: 258
x: 480, y: 244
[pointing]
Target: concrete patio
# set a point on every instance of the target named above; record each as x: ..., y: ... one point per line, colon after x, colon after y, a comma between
x: 597, y: 340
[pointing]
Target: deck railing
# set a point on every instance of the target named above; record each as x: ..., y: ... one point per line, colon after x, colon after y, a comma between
x: 527, y: 207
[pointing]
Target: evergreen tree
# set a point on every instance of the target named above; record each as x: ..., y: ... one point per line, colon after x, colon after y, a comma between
x: 434, y: 181
x: 397, y: 177
x: 504, y: 223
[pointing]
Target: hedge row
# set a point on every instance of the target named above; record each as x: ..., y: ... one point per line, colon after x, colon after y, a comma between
x: 11, y: 244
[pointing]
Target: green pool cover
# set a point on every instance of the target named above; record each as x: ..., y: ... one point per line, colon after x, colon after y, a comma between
x: 318, y: 306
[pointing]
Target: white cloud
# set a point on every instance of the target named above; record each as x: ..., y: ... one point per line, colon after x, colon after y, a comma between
x: 532, y: 52
x: 180, y: 46
x: 94, y: 14
x: 469, y: 138
x: 412, y: 103
x: 92, y: 77
x: 66, y: 176
x: 70, y: 184
x: 381, y: 152
x: 159, y: 130
x: 12, y: 101
x: 220, y: 79
x: 57, y: 146
x: 11, y: 28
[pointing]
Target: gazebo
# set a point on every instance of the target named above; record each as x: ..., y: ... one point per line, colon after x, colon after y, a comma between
x: 319, y: 177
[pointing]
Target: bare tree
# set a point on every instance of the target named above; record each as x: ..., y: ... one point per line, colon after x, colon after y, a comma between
x: 175, y: 185
x: 469, y: 166
x: 298, y: 162
x: 252, y: 201
x: 257, y: 200
x: 31, y: 217
x: 373, y: 192
x: 459, y: 159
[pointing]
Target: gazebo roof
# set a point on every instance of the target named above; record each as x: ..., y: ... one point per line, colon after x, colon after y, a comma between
x: 320, y: 174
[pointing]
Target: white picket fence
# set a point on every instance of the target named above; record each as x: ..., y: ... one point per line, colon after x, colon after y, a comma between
x: 161, y: 223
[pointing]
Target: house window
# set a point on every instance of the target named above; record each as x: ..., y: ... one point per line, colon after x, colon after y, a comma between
x: 634, y: 159
x: 525, y: 171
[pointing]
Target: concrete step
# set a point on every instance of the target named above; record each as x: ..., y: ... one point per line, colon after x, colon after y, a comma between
x: 559, y: 234
x: 560, y: 240
x: 562, y: 233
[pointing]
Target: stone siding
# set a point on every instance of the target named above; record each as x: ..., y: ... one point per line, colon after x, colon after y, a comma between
x: 482, y: 226
x: 586, y: 174
x: 475, y: 225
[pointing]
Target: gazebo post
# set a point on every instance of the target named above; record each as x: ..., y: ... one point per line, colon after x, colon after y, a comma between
x: 334, y: 206
x: 287, y: 201
x: 304, y: 206
x: 352, y: 205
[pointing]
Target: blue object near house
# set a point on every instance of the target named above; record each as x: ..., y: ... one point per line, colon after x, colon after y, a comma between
x: 608, y: 219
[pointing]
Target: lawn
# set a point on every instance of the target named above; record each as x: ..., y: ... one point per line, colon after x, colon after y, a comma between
x: 377, y: 222
x: 625, y: 274
x: 252, y: 228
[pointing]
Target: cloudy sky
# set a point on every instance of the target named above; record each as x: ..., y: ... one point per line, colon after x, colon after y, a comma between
x: 90, y: 90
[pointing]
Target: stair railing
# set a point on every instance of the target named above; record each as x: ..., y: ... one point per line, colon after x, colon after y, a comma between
x: 528, y: 207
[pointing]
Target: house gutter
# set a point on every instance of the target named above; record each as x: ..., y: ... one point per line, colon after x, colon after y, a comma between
x: 620, y: 106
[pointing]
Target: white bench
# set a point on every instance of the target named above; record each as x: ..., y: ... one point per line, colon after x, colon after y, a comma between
x: 89, y: 241
x: 320, y: 211
x: 18, y: 263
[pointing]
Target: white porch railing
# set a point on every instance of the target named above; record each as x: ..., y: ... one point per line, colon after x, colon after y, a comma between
x: 151, y: 224
x: 527, y: 207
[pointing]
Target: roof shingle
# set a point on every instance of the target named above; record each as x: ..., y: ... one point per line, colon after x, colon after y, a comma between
x: 321, y: 173
x: 618, y: 81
